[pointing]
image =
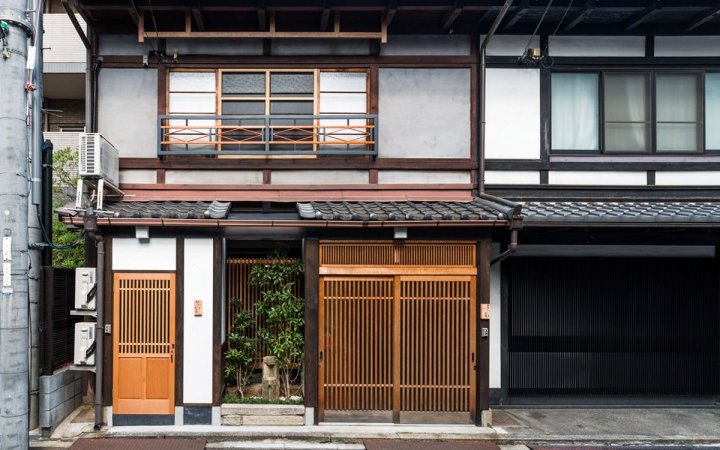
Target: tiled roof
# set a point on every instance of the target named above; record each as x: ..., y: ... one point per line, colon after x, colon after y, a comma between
x: 170, y: 210
x: 656, y: 212
x: 476, y: 209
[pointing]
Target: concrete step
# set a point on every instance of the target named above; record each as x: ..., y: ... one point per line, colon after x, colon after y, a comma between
x: 286, y: 445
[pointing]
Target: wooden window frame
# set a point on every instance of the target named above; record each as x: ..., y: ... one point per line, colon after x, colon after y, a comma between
x: 652, y: 100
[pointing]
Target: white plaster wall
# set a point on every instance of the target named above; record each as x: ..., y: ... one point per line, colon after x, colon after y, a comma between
x: 123, y: 44
x: 588, y: 178
x: 513, y: 114
x: 687, y: 45
x: 588, y: 46
x: 138, y: 176
x: 512, y: 177
x: 213, y: 177
x: 214, y: 47
x: 320, y: 177
x: 198, y: 330
x: 127, y: 110
x: 428, y: 177
x: 689, y: 178
x: 449, y: 45
x: 424, y: 113
x: 310, y: 47
x: 155, y: 254
x: 510, y: 45
x: 495, y: 378
x: 695, y: 251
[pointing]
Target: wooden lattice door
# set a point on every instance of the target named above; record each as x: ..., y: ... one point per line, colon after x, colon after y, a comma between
x: 144, y: 343
x: 398, y: 348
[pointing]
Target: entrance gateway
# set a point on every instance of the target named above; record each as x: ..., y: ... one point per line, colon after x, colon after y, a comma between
x: 397, y: 332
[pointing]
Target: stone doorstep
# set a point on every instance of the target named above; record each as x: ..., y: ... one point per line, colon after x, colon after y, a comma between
x: 263, y: 420
x: 241, y: 409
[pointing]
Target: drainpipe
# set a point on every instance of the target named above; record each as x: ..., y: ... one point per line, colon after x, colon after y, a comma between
x: 99, y: 327
x: 483, y: 48
x: 511, y: 249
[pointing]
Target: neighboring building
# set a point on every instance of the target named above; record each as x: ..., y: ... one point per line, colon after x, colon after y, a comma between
x: 243, y: 125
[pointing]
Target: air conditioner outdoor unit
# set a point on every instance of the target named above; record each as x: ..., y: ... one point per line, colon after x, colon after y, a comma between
x: 98, y: 158
x: 85, y: 288
x: 85, y: 344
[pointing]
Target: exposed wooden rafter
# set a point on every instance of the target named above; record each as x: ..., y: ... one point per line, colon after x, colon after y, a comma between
x: 518, y: 14
x: 641, y: 17
x: 703, y: 18
x: 581, y: 15
x: 451, y: 15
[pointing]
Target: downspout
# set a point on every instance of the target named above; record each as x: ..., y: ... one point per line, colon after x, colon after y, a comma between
x: 99, y: 328
x: 515, y: 226
x: 483, y: 69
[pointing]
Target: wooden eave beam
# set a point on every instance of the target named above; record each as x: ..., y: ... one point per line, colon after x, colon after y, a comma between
x: 261, y: 35
x: 639, y: 18
x: 451, y: 16
x: 519, y: 13
x: 702, y: 18
x: 581, y: 15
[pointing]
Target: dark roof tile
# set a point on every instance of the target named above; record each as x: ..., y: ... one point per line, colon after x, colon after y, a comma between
x: 620, y: 212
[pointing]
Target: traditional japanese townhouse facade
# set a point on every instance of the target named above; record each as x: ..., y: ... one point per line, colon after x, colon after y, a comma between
x: 353, y: 133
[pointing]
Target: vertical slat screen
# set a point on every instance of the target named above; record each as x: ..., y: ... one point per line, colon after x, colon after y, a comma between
x: 613, y: 326
x: 357, y: 332
x: 238, y: 276
x: 456, y: 254
x: 144, y: 322
x: 435, y: 344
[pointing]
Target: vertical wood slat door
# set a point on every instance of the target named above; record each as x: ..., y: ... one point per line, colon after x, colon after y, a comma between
x: 404, y: 344
x: 356, y: 319
x: 144, y: 343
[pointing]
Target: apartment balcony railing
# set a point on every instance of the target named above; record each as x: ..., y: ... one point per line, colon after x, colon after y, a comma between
x: 198, y: 134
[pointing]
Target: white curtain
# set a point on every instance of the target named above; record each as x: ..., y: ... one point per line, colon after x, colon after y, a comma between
x: 626, y: 113
x: 712, y: 111
x: 575, y: 111
x: 677, y: 113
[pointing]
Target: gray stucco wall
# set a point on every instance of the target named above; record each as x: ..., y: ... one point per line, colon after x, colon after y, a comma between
x: 60, y: 394
x: 127, y: 110
x: 124, y: 44
x: 424, y: 113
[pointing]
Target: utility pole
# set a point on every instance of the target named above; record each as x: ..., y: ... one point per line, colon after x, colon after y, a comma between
x: 14, y: 305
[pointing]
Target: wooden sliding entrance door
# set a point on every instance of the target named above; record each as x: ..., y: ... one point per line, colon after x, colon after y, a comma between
x: 144, y: 343
x: 397, y: 348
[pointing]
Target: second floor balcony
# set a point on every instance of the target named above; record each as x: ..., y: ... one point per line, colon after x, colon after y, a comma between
x: 207, y: 135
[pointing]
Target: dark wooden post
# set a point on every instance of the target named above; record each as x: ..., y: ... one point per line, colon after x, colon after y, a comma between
x: 218, y: 381
x: 484, y: 257
x: 311, y: 261
x: 48, y: 304
x: 179, y: 318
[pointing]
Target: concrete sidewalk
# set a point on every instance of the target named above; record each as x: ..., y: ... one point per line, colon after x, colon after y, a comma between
x: 516, y: 426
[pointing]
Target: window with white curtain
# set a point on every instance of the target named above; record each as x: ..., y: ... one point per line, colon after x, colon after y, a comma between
x: 612, y: 112
x: 712, y: 111
x: 575, y: 111
x: 678, y: 112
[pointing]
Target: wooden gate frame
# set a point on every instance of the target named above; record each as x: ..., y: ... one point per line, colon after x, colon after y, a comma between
x: 479, y: 268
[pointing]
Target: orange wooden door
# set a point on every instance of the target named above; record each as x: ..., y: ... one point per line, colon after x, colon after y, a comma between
x: 144, y: 343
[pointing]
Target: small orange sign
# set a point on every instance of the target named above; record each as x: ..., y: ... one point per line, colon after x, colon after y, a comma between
x: 198, y: 307
x: 485, y: 311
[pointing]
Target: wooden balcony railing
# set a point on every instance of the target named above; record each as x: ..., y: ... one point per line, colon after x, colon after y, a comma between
x: 347, y: 134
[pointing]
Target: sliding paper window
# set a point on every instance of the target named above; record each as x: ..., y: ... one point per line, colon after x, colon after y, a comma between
x: 679, y: 112
x: 191, y: 94
x: 575, y: 111
x: 712, y: 111
x: 344, y: 93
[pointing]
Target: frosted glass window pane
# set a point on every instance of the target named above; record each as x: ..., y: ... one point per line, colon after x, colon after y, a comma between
x: 336, y: 130
x: 626, y: 113
x: 677, y: 137
x: 677, y: 113
x: 192, y: 81
x: 343, y: 103
x: 243, y: 84
x: 575, y: 111
x: 343, y: 81
x: 199, y: 133
x: 292, y: 84
x: 291, y: 108
x: 712, y: 111
x: 182, y: 103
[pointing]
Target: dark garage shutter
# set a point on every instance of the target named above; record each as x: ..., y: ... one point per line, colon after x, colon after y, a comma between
x: 613, y: 326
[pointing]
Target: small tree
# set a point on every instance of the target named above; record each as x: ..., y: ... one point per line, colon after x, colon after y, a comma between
x: 68, y: 244
x: 283, y: 312
x: 239, y: 363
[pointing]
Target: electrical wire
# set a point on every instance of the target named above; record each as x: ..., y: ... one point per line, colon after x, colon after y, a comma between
x: 563, y: 18
x: 137, y: 13
x: 547, y: 8
x: 48, y: 241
